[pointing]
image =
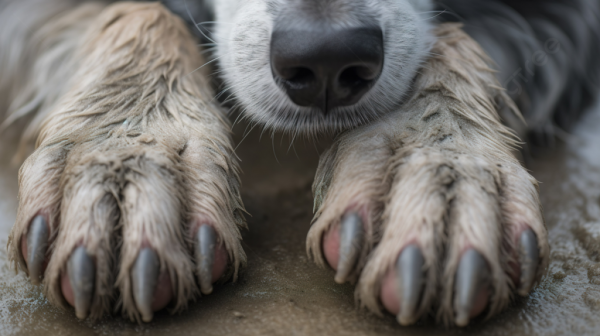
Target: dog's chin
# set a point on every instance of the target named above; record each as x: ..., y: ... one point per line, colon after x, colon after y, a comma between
x: 312, y: 122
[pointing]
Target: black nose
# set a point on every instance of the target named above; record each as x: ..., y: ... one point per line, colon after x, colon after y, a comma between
x: 327, y: 68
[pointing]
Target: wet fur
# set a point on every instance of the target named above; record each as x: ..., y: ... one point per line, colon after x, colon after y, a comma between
x: 439, y: 172
x: 129, y: 126
x: 130, y: 150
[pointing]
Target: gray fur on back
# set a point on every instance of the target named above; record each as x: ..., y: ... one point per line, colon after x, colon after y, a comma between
x: 547, y: 53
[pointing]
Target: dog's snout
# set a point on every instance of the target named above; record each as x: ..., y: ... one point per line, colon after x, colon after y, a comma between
x: 327, y: 68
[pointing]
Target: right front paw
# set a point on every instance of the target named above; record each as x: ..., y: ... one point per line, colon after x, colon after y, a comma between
x: 428, y: 209
x: 131, y: 199
x: 427, y: 231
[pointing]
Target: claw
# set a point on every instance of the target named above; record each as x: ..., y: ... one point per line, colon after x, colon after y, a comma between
x: 528, y: 258
x: 470, y: 277
x: 409, y: 268
x: 144, y: 278
x: 351, y: 241
x: 82, y: 275
x: 205, y: 257
x: 37, y: 245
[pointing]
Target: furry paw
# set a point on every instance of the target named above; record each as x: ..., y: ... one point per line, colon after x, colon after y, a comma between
x: 131, y: 197
x: 428, y: 209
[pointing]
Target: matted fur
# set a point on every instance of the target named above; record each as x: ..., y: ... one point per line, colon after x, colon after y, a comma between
x: 130, y: 152
x: 439, y: 173
x: 133, y: 154
x: 38, y: 47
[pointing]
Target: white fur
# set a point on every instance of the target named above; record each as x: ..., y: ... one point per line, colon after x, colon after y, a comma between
x: 243, y: 35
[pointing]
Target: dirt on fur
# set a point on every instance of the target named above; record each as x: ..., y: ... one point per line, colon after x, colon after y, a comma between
x: 282, y: 293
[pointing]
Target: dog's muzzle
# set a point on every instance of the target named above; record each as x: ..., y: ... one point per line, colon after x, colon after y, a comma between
x: 326, y: 67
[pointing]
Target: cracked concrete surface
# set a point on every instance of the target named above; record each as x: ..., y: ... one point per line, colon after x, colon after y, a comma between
x: 282, y: 293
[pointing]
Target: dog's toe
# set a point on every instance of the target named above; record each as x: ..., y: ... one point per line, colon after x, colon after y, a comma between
x: 529, y: 259
x: 78, y: 285
x: 428, y: 209
x: 131, y: 198
x: 35, y: 248
x: 145, y: 283
x: 472, y: 278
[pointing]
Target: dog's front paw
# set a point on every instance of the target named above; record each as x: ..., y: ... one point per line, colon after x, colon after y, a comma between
x: 131, y: 197
x: 428, y: 209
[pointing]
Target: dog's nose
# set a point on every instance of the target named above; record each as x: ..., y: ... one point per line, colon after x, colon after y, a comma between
x: 327, y: 68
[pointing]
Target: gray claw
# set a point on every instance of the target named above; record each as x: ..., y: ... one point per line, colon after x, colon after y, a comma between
x: 82, y: 275
x: 144, y: 278
x: 37, y: 245
x: 351, y: 241
x: 471, y: 275
x: 529, y: 259
x: 205, y: 257
x: 409, y: 271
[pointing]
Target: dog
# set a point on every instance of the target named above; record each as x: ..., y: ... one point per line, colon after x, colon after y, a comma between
x: 131, y: 195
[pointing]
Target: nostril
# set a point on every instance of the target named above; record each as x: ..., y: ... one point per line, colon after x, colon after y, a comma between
x: 367, y: 73
x: 297, y: 78
x: 356, y: 76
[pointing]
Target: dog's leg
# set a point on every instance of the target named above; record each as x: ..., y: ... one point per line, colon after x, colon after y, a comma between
x: 428, y: 209
x: 133, y: 182
x: 38, y: 41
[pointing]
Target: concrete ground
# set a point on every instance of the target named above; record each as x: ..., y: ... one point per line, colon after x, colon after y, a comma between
x: 282, y: 293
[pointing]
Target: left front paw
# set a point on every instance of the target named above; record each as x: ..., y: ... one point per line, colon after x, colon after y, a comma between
x: 131, y: 200
x: 428, y: 209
